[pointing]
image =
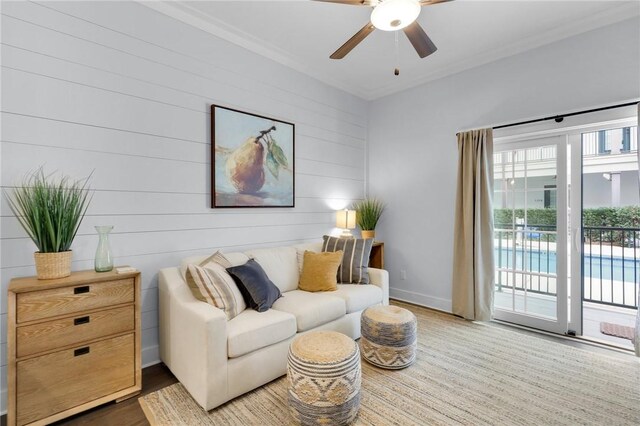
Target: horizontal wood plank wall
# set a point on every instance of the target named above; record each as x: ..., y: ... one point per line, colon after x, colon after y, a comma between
x: 124, y: 91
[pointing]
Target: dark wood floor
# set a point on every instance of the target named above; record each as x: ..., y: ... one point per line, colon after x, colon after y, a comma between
x: 129, y: 413
x: 125, y: 413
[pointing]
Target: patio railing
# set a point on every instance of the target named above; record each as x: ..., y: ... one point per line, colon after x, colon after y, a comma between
x: 525, y: 258
x: 530, y: 253
x: 611, y: 265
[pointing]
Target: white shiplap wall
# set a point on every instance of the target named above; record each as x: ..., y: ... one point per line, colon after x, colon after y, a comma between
x: 121, y: 90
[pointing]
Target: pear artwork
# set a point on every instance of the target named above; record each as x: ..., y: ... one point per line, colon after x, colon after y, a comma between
x: 245, y: 166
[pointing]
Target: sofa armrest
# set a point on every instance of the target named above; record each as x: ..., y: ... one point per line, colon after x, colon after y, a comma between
x: 193, y: 340
x: 380, y: 278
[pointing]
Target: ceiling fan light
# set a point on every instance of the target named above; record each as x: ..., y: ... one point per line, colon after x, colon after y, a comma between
x: 393, y: 15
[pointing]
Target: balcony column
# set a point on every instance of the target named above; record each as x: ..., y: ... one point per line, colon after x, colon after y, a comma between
x: 616, y: 138
x: 615, y: 189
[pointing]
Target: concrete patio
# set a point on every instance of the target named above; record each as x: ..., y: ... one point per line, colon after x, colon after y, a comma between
x: 593, y: 314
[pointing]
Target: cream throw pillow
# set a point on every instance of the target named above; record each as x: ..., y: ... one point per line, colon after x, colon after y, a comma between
x: 319, y: 271
x: 218, y: 258
x: 210, y: 282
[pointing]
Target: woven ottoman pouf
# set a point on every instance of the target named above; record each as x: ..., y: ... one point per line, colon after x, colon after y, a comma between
x: 323, y: 373
x: 389, y: 336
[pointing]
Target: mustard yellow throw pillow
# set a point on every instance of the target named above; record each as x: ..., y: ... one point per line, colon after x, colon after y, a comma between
x: 319, y: 271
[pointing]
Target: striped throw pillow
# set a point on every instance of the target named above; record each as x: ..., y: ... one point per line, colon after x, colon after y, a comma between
x: 212, y: 284
x: 218, y: 258
x: 355, y: 259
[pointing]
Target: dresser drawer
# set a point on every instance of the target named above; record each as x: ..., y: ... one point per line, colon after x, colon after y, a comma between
x: 63, y: 332
x: 55, y: 382
x: 37, y: 305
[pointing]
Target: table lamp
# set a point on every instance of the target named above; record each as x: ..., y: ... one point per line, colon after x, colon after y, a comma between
x: 346, y: 220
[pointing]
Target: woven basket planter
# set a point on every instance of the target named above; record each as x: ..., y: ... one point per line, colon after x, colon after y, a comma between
x: 368, y: 234
x: 53, y: 265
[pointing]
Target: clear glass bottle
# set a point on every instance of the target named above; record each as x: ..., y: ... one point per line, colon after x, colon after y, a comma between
x: 104, y: 260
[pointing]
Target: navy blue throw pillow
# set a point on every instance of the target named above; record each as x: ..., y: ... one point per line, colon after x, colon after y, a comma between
x: 258, y: 291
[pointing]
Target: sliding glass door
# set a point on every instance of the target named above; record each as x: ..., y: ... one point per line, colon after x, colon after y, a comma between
x: 530, y: 214
x: 566, y: 214
x: 610, y: 248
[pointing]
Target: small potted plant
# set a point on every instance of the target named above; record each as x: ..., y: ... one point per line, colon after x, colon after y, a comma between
x: 368, y: 212
x: 50, y: 211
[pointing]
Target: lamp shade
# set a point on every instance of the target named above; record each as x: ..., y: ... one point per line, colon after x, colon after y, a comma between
x: 346, y: 219
x: 393, y: 15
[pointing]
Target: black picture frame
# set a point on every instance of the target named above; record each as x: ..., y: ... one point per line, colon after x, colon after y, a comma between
x: 252, y: 160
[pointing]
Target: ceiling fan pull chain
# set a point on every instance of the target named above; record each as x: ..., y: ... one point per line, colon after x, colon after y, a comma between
x: 397, y: 70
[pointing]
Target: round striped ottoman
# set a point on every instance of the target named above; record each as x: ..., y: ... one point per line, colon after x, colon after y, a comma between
x: 323, y: 373
x: 389, y: 336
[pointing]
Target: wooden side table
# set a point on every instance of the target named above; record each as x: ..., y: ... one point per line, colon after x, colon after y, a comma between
x: 376, y: 259
x: 73, y: 344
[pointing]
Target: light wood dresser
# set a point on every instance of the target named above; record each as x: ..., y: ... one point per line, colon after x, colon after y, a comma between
x: 73, y: 344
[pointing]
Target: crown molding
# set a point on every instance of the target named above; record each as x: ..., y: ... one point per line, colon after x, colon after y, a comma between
x: 611, y: 16
x: 219, y: 28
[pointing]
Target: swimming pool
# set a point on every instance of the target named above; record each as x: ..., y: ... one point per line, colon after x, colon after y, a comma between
x: 607, y: 267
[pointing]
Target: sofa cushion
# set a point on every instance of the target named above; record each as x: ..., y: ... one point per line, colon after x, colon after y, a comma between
x: 280, y: 264
x: 252, y: 330
x: 212, y: 284
x: 257, y: 289
x: 354, y: 260
x: 358, y: 297
x: 315, y: 246
x: 311, y: 309
x: 320, y: 271
x: 301, y: 248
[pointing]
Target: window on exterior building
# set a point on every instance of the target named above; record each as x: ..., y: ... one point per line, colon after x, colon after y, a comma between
x: 550, y: 196
x: 603, y: 146
x: 626, y: 139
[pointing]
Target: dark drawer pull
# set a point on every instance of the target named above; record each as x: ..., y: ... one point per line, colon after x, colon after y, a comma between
x: 81, y: 320
x: 80, y: 290
x: 81, y: 351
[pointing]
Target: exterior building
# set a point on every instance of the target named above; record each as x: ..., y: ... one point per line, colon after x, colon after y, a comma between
x: 609, y: 173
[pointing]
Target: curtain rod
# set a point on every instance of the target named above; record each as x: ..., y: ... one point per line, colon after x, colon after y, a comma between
x: 561, y: 117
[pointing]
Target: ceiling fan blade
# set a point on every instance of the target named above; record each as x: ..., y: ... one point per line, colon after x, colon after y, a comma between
x: 427, y: 2
x: 353, y: 42
x: 420, y: 40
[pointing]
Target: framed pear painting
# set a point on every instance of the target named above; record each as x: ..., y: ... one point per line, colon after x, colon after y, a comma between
x: 253, y: 160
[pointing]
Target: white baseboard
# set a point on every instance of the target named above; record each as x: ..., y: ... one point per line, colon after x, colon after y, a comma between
x: 150, y: 363
x: 150, y: 356
x: 421, y: 299
x: 3, y: 400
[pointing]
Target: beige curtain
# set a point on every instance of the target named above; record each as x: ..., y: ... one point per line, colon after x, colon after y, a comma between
x: 473, y: 267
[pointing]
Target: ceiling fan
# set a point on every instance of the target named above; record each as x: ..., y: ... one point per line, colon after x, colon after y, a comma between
x: 391, y: 15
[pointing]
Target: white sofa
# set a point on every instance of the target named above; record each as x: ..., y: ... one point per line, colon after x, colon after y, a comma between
x: 217, y: 360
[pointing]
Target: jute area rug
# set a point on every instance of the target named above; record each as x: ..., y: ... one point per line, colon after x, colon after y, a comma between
x: 466, y: 373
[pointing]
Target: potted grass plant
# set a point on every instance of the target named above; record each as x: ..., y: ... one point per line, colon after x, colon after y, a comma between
x: 50, y: 211
x: 368, y: 212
